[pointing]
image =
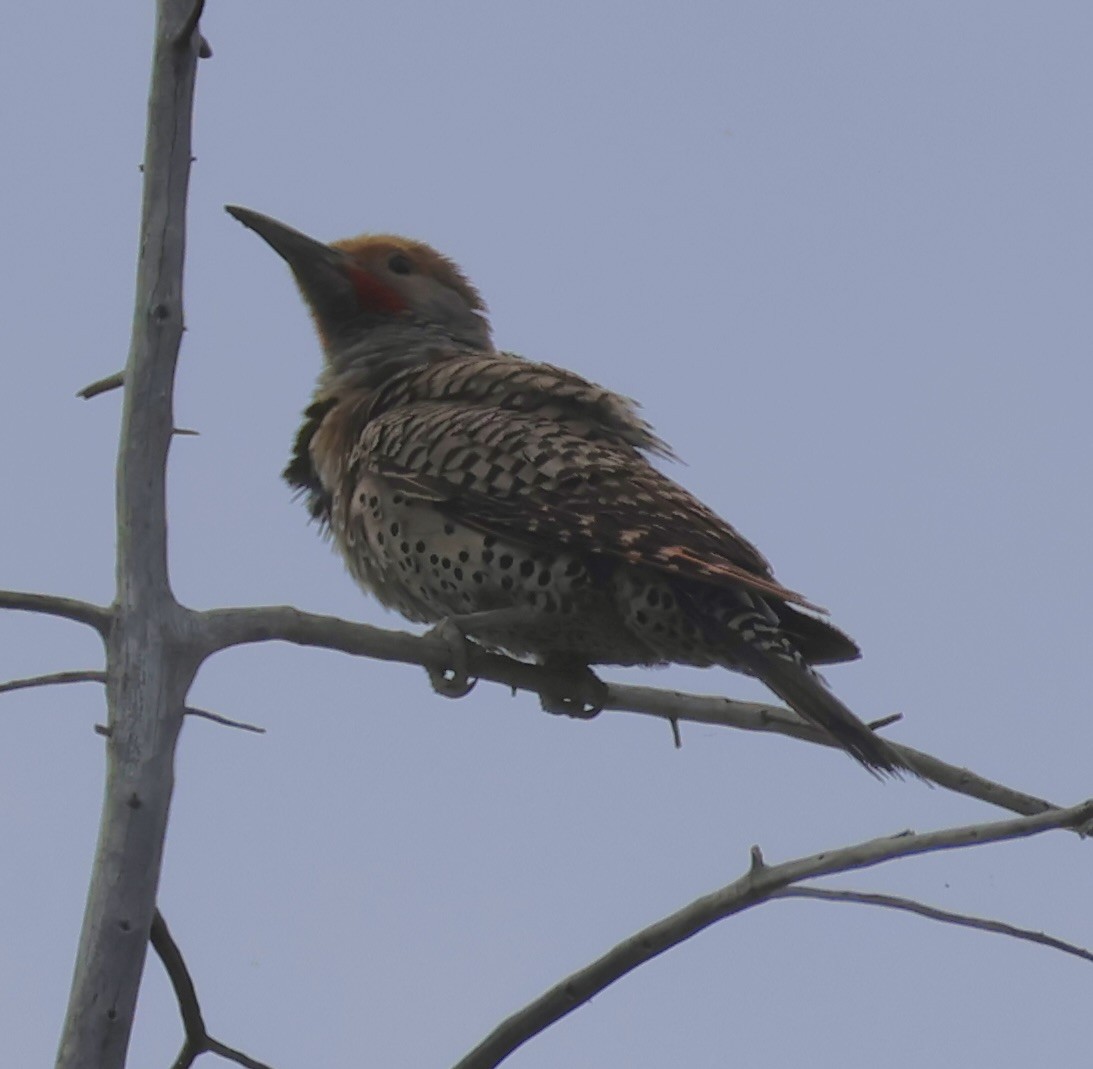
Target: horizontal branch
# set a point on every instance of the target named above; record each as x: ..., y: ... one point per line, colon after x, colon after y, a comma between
x: 82, y: 612
x: 945, y: 916
x: 223, y: 628
x: 759, y: 885
x: 756, y: 716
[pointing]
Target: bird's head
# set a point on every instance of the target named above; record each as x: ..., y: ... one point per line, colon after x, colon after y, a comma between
x: 378, y: 292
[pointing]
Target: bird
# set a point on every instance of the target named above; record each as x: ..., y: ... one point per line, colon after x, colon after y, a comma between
x: 517, y: 505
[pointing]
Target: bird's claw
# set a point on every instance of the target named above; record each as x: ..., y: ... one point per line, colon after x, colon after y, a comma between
x: 451, y: 680
x: 584, y: 696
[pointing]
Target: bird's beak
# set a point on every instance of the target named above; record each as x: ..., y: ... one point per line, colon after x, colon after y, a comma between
x: 319, y: 269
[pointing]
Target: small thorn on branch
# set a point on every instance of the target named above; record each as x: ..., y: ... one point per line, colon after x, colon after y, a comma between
x: 189, y: 28
x: 186, y: 432
x: 884, y: 721
x: 111, y: 382
x: 677, y: 739
x: 757, y: 862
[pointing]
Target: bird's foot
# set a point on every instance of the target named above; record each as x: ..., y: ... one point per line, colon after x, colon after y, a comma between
x: 451, y: 680
x: 579, y: 692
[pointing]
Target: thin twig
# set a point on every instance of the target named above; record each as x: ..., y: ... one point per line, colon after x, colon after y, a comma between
x: 909, y: 905
x: 111, y: 382
x: 89, y: 675
x: 82, y: 612
x: 762, y: 882
x: 224, y: 628
x: 198, y: 1040
x: 216, y: 718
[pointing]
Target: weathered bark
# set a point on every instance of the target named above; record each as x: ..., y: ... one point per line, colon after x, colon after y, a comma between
x: 149, y: 662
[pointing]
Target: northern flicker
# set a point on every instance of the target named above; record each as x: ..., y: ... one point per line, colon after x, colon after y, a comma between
x: 515, y: 500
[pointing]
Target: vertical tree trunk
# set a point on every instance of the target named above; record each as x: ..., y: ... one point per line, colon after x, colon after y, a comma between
x: 150, y: 664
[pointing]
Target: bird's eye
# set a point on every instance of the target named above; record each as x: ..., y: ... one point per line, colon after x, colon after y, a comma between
x: 401, y: 264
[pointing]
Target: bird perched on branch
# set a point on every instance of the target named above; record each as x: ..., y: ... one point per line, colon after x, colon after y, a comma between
x: 514, y: 503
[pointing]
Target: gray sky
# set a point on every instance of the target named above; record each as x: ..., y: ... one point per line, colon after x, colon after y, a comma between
x: 841, y: 252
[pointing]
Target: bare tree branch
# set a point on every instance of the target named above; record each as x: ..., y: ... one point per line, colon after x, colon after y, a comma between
x: 759, y: 884
x: 198, y: 1041
x: 946, y: 916
x: 223, y: 628
x: 233, y: 1055
x: 755, y: 716
x: 82, y: 612
x: 175, y: 966
x: 89, y: 675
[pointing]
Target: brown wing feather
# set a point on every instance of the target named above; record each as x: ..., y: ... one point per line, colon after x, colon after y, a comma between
x: 544, y: 478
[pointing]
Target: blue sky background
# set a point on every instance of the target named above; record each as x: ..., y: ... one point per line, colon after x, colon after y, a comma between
x: 842, y: 253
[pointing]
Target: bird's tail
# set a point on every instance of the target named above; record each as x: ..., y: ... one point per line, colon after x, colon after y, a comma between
x: 771, y: 657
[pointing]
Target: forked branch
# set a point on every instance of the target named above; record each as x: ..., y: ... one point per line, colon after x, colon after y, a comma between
x: 198, y: 1041
x: 760, y: 884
